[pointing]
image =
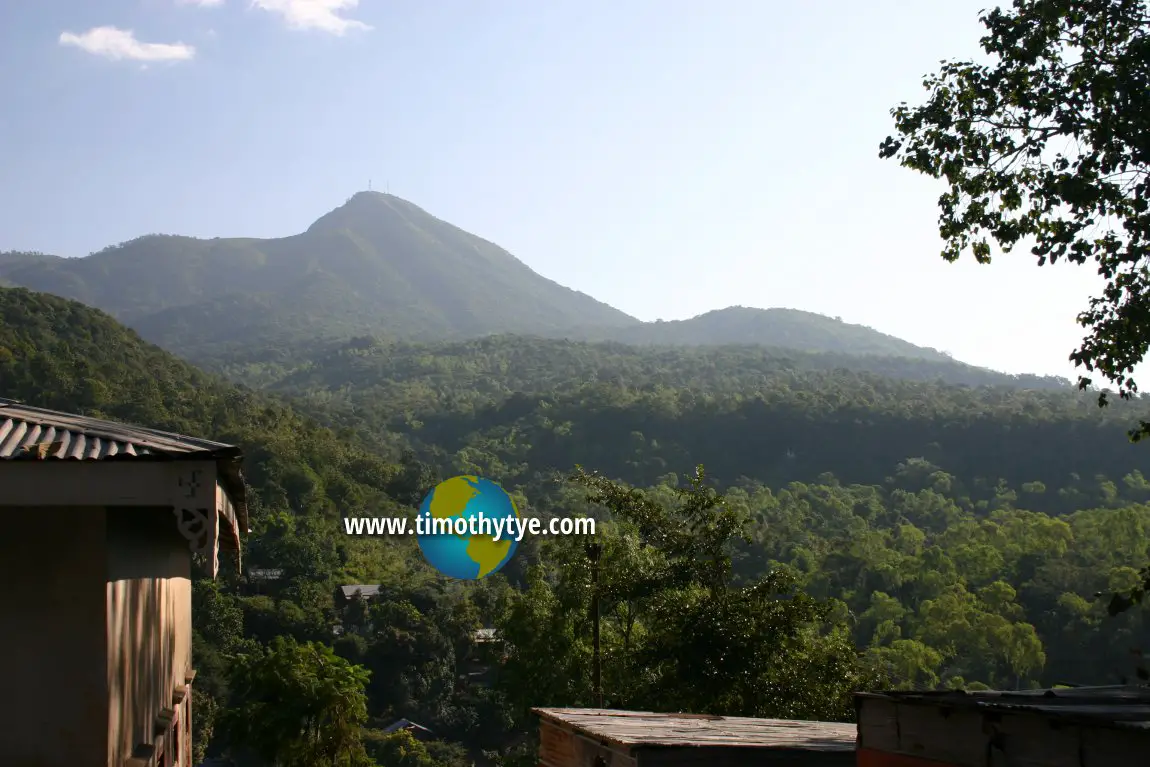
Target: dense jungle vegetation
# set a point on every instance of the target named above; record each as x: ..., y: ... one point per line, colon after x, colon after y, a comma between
x: 854, y: 528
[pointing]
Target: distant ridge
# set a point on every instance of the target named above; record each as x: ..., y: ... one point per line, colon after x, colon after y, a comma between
x: 380, y: 265
x: 783, y: 328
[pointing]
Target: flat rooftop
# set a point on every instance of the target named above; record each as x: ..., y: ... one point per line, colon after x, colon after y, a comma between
x: 637, y: 729
x: 1126, y: 707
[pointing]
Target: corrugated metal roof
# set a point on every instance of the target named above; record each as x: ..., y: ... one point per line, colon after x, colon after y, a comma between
x: 364, y: 590
x: 35, y: 433
x: 32, y: 432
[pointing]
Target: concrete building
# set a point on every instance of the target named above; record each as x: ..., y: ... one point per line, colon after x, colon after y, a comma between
x: 103, y: 523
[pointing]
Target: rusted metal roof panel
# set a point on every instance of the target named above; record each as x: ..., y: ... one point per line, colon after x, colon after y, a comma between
x: 36, y: 433
x: 1120, y: 705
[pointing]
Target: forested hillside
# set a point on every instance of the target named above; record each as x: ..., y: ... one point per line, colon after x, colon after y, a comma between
x: 925, y: 534
x: 515, y: 407
x: 487, y: 369
x: 998, y: 510
x: 944, y: 500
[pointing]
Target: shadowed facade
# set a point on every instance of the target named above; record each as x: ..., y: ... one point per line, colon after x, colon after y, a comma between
x: 105, y: 523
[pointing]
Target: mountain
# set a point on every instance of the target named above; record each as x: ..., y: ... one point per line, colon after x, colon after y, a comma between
x: 375, y: 264
x: 379, y: 265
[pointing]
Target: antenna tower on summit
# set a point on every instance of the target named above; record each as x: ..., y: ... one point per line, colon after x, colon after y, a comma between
x: 369, y: 185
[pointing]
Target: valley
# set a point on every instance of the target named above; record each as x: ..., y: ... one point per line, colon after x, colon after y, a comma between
x: 930, y: 523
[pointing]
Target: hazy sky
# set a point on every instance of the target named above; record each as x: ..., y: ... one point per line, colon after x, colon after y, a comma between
x: 668, y: 157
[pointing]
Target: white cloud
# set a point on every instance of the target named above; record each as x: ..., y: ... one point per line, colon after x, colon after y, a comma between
x: 201, y: 3
x: 113, y: 43
x: 323, y: 15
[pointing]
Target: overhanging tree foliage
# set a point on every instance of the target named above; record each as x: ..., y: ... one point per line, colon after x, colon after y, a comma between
x: 973, y: 575
x: 298, y: 705
x: 1049, y: 143
x: 679, y: 634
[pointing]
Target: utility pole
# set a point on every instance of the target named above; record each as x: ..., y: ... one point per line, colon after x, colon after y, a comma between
x: 594, y: 551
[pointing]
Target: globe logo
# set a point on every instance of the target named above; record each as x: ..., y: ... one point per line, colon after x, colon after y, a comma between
x: 468, y: 527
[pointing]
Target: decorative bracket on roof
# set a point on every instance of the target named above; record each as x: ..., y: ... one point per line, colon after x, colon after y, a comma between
x: 198, y: 524
x: 200, y: 528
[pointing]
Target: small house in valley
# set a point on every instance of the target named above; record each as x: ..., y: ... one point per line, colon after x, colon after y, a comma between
x: 583, y: 737
x: 353, y: 602
x: 104, y: 523
x: 345, y: 595
x: 484, y: 656
x: 417, y: 731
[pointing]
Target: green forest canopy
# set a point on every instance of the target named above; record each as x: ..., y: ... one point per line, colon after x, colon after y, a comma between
x: 943, y: 535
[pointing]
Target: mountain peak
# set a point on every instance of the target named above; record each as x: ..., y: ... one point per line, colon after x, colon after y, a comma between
x: 373, y: 198
x: 370, y: 194
x: 377, y: 263
x: 362, y: 208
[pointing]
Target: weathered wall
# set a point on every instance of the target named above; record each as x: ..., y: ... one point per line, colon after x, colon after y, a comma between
x: 894, y: 734
x: 52, y: 642
x: 149, y: 614
x: 559, y: 747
